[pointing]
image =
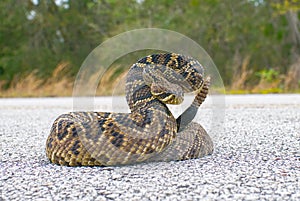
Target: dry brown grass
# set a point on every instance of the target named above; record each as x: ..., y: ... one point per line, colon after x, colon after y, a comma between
x: 280, y: 84
x: 241, y: 76
x: 33, y: 86
x: 113, y: 82
x: 292, y: 79
x: 59, y: 84
x: 265, y: 87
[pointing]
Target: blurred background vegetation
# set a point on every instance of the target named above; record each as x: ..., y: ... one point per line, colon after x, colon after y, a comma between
x: 254, y: 43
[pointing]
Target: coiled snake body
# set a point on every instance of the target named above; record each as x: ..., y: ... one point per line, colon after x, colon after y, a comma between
x: 150, y: 132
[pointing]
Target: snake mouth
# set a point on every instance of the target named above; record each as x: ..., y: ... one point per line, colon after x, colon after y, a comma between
x: 169, y: 98
x: 168, y: 93
x: 172, y: 99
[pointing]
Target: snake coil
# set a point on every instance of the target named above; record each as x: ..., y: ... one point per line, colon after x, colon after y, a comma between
x: 150, y: 132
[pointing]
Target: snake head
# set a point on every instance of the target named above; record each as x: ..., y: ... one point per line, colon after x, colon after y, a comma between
x: 168, y: 93
x: 162, y: 83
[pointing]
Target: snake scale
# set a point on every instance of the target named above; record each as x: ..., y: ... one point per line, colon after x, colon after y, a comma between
x: 150, y: 132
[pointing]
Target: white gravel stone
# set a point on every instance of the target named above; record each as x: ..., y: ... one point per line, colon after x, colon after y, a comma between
x: 257, y: 157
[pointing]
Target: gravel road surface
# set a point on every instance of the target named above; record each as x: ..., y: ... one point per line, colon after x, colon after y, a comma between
x: 257, y: 157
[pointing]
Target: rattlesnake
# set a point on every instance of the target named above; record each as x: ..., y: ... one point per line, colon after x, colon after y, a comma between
x: 150, y: 132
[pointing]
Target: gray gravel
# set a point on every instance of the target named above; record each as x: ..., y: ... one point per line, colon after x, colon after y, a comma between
x: 257, y: 157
